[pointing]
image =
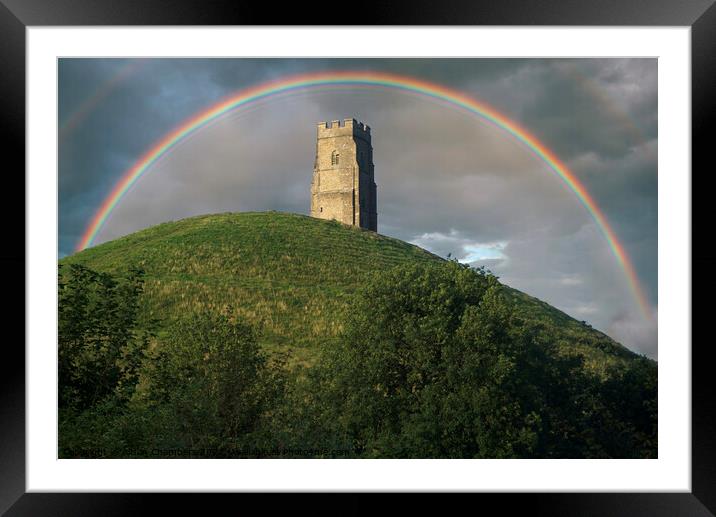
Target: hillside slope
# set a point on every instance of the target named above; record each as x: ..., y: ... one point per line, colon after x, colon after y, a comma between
x: 290, y: 275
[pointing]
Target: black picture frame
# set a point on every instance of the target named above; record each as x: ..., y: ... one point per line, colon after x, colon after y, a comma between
x: 16, y: 15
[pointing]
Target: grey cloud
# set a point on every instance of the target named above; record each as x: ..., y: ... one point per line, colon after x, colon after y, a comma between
x: 439, y: 170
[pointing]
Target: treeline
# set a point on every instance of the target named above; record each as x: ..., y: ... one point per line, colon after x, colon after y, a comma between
x: 433, y: 363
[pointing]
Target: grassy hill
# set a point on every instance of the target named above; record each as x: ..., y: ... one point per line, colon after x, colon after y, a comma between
x: 290, y: 275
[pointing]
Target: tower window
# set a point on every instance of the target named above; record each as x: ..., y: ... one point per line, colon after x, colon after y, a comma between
x: 335, y: 158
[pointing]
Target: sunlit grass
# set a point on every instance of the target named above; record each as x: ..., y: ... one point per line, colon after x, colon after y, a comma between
x: 291, y: 276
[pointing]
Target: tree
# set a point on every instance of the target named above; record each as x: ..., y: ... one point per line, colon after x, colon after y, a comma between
x: 424, y: 368
x: 100, y: 345
x: 435, y: 362
x: 213, y: 384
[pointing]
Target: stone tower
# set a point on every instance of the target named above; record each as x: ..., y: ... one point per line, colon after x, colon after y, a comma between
x: 343, y: 186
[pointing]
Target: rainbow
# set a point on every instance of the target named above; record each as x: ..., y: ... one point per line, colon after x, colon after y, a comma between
x: 367, y: 79
x: 75, y: 118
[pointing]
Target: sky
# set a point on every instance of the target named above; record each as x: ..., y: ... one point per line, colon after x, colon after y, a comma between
x: 447, y: 180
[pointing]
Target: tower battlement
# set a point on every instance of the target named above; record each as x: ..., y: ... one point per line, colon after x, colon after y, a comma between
x: 348, y: 126
x: 343, y: 186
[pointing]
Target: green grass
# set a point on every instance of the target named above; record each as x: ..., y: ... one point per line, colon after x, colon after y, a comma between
x: 290, y: 275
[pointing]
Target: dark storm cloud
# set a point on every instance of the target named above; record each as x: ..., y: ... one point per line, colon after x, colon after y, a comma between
x: 446, y: 180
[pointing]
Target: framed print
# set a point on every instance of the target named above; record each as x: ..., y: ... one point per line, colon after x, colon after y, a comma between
x: 383, y: 256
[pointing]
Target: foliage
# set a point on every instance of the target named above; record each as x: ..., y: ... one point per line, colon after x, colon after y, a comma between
x: 100, y: 344
x: 436, y: 363
x: 213, y: 381
x: 244, y: 340
x: 205, y: 389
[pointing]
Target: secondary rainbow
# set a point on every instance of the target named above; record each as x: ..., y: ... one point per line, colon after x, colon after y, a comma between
x: 367, y: 79
x: 85, y: 109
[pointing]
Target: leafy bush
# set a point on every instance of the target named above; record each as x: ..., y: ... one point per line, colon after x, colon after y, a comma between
x: 204, y: 384
x: 434, y: 359
x: 100, y: 345
x: 213, y: 383
x: 435, y: 363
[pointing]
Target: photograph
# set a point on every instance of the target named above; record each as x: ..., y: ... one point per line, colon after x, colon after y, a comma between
x: 357, y: 258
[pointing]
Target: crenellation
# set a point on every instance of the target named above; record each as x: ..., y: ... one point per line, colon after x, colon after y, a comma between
x: 346, y: 127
